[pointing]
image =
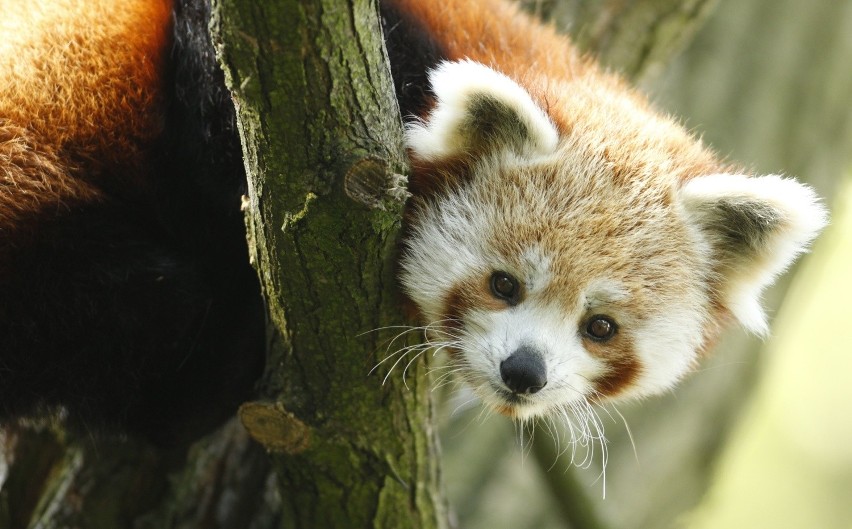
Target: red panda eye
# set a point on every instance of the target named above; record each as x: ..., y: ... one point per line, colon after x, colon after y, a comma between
x: 601, y: 328
x: 505, y: 287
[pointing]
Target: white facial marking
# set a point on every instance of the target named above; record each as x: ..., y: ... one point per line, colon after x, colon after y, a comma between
x: 667, y: 345
x: 536, y: 268
x: 602, y: 292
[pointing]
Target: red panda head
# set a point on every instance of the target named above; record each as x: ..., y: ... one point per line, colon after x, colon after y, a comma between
x: 565, y: 264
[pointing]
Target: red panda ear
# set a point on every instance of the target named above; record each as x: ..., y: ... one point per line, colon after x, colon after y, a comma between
x: 754, y: 228
x: 479, y: 111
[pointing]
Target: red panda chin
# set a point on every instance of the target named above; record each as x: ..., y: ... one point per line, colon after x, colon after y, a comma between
x: 507, y: 411
x: 515, y: 408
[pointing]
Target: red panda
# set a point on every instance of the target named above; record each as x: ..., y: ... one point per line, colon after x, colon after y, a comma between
x: 566, y: 243
x: 126, y: 297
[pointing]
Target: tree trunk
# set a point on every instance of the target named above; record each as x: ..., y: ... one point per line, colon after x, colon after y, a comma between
x: 323, y: 149
x: 322, y: 143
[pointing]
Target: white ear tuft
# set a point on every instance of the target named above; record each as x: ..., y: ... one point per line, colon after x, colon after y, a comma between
x: 755, y: 226
x: 479, y: 110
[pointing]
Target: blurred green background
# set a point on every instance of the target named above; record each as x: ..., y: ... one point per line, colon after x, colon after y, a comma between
x: 761, y: 436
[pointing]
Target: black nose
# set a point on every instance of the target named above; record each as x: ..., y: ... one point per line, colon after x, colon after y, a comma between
x: 524, y: 371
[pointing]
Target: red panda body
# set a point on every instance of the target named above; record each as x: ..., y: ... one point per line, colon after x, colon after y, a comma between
x: 566, y: 243
x: 61, y: 100
x: 126, y: 296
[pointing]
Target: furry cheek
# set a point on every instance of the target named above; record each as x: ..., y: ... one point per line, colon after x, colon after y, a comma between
x: 666, y: 347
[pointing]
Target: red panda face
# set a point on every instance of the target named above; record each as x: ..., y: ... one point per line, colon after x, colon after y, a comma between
x: 556, y: 273
x: 545, y: 296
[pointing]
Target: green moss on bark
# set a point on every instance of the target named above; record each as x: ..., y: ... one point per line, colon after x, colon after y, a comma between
x: 316, y: 110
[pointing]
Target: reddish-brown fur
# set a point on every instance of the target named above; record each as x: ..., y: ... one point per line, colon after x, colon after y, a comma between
x: 127, y: 303
x: 497, y: 34
x: 78, y: 95
x: 623, y: 367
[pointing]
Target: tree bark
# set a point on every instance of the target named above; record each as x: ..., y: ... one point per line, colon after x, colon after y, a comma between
x: 323, y: 149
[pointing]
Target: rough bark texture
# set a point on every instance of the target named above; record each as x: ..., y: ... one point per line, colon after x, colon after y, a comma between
x: 322, y: 138
x: 322, y: 143
x: 53, y: 480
